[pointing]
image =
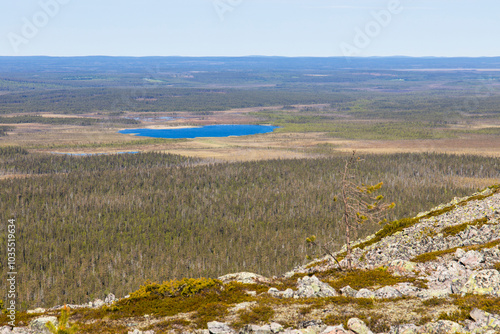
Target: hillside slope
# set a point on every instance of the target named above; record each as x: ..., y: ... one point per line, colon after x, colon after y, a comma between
x: 437, y: 272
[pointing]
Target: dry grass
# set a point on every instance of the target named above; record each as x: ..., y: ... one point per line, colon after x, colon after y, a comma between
x: 258, y: 147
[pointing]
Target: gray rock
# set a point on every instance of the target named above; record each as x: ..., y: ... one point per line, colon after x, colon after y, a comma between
x: 39, y: 325
x: 348, y: 291
x: 407, y: 289
x: 16, y: 330
x: 136, y: 331
x: 309, y: 287
x: 110, y: 298
x: 459, y: 253
x: 358, y: 326
x: 405, y: 329
x: 288, y: 293
x: 244, y: 277
x: 471, y: 259
x: 388, y: 292
x: 484, y: 282
x: 97, y: 303
x: 22, y: 330
x: 274, y: 292
x: 254, y: 329
x: 479, y: 316
x: 365, y: 293
x: 442, y: 327
x: 276, y: 328
x: 37, y: 310
x: 216, y: 327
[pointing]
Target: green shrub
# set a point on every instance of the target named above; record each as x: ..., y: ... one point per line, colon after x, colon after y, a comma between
x: 209, y: 312
x: 257, y: 314
x: 62, y: 327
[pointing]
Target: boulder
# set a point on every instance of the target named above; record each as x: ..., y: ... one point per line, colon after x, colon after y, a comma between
x: 484, y: 321
x: 347, y: 291
x: 216, y: 327
x: 442, y: 327
x: 334, y: 330
x: 110, y: 298
x: 405, y: 329
x: 358, y: 326
x: 459, y: 253
x: 308, y: 287
x: 401, y: 267
x: 98, y: 303
x: 479, y: 316
x: 276, y: 328
x: 244, y: 277
x: 365, y: 293
x: 37, y: 310
x: 387, y: 292
x: 288, y: 293
x: 39, y: 325
x: 471, y: 259
x: 484, y: 282
x: 136, y: 331
x: 255, y: 329
x: 407, y: 289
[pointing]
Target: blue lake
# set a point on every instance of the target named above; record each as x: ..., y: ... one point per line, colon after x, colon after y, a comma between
x: 202, y: 132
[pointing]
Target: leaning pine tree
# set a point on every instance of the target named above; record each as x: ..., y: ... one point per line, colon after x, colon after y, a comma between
x: 360, y: 204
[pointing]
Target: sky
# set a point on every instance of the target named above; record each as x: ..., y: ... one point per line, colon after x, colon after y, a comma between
x: 317, y: 28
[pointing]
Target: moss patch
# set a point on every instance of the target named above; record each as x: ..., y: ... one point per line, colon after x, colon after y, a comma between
x: 431, y: 256
x: 256, y: 315
x: 455, y: 229
x: 358, y: 279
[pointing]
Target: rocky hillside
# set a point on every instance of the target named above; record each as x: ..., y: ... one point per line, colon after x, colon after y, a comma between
x: 435, y: 273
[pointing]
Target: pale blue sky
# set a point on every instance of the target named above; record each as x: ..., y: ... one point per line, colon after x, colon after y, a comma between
x: 249, y: 27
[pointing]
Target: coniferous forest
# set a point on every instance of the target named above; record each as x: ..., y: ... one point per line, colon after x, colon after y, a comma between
x: 86, y: 229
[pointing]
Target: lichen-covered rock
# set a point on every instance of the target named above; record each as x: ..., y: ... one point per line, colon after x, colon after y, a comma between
x: 358, y: 326
x: 216, y: 327
x: 471, y: 259
x: 334, y: 330
x: 484, y: 321
x: 308, y: 287
x: 401, y: 267
x: 387, y: 292
x: 405, y: 329
x: 484, y: 282
x: 39, y: 325
x: 347, y: 291
x: 245, y: 278
x: 365, y: 293
x: 16, y: 330
x: 255, y: 329
x: 110, y: 298
x: 442, y: 327
x: 288, y: 293
x: 275, y: 327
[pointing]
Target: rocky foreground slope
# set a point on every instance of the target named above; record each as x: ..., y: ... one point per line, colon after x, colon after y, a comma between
x: 435, y: 273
